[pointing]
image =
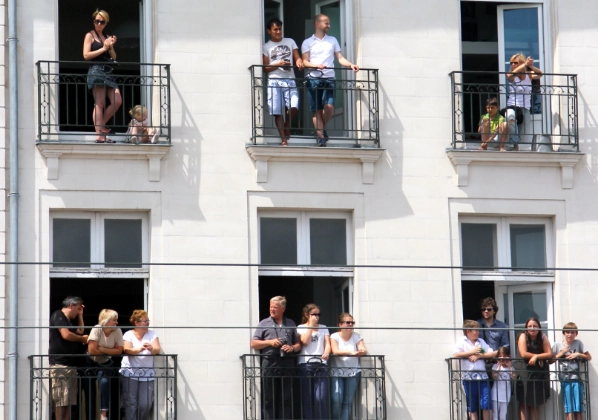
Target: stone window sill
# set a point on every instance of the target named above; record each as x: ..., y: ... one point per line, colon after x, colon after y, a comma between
x: 462, y: 158
x: 53, y: 152
x: 262, y: 154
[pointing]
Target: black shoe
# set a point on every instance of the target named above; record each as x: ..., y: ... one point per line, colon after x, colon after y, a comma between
x: 322, y: 143
x: 325, y: 134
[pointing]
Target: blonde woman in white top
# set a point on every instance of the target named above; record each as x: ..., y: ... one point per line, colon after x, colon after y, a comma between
x: 105, y: 341
x: 347, y: 346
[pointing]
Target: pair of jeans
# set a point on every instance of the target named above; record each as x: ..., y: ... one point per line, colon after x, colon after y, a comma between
x: 138, y: 398
x: 277, y: 382
x: 314, y: 390
x: 343, y: 392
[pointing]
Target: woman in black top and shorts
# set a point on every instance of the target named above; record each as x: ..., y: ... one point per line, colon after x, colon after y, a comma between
x: 99, y: 48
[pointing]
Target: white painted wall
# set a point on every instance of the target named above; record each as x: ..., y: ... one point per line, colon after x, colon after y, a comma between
x: 204, y: 208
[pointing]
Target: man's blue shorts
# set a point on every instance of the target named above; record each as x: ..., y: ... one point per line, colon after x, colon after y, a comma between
x: 321, y: 92
x: 477, y: 395
x: 572, y: 392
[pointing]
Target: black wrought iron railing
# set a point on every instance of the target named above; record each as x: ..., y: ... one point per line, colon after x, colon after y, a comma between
x: 541, y: 392
x: 290, y: 391
x: 548, y: 122
x: 149, y: 393
x: 353, y: 123
x: 65, y: 104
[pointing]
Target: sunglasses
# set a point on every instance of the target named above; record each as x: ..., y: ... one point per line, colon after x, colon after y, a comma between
x: 99, y: 22
x: 318, y: 314
x: 349, y: 322
x: 487, y: 309
x: 513, y: 63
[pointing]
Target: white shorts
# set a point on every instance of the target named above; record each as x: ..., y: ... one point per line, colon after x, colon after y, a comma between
x: 282, y: 93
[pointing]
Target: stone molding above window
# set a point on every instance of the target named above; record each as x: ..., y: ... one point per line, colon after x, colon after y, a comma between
x: 53, y: 152
x: 262, y: 154
x: 461, y: 159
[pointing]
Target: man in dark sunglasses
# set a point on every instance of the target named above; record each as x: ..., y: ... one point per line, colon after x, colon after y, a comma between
x: 494, y: 338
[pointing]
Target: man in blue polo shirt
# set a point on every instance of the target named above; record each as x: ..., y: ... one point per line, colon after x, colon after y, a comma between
x: 494, y: 338
x: 318, y: 52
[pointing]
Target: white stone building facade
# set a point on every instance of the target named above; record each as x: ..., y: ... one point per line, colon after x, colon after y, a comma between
x: 205, y: 194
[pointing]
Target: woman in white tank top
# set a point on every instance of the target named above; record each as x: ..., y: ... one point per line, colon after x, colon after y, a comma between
x: 520, y: 81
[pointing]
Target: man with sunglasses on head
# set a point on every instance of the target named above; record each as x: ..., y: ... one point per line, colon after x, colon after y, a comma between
x: 494, y: 338
x: 318, y: 52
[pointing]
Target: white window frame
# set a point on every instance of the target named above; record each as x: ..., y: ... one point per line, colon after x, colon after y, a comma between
x: 97, y: 245
x: 303, y: 245
x: 503, y: 249
x: 506, y: 290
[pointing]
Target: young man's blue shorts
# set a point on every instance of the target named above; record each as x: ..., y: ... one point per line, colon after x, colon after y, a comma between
x: 477, y: 395
x: 572, y: 392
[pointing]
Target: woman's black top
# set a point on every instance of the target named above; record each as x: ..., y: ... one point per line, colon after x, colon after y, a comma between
x: 97, y: 45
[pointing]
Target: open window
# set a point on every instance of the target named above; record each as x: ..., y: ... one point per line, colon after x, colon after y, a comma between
x: 74, y: 21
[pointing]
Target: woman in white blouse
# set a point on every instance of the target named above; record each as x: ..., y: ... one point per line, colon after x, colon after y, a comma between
x: 315, y: 349
x: 137, y: 367
x: 347, y: 347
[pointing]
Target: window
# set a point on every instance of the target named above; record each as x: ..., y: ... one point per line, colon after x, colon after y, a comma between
x: 506, y: 246
x: 93, y: 240
x: 290, y: 238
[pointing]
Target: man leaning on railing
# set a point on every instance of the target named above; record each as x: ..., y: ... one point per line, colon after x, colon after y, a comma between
x: 65, y: 342
x: 318, y: 52
x: 276, y: 338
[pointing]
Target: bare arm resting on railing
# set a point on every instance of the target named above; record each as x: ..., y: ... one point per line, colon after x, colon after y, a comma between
x: 533, y: 358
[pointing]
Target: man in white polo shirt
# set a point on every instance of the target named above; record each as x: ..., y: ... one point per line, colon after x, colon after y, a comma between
x: 318, y: 53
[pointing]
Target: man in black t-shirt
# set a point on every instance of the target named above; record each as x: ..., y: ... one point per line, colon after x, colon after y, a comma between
x: 65, y: 341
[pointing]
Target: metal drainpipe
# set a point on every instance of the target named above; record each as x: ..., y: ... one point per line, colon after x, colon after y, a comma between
x: 13, y: 196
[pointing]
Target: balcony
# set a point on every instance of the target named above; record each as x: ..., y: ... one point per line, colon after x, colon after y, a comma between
x: 65, y: 105
x: 164, y: 394
x: 529, y: 387
x: 548, y: 135
x: 369, y: 402
x: 353, y: 130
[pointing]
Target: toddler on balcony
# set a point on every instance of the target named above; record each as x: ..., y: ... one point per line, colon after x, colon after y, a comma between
x: 139, y: 130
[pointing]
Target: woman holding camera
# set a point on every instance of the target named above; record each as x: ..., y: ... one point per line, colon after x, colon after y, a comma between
x: 99, y: 48
x: 315, y: 349
x: 137, y: 367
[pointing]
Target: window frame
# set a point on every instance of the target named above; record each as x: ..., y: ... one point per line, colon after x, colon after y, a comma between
x: 503, y: 249
x: 97, y: 243
x: 304, y: 246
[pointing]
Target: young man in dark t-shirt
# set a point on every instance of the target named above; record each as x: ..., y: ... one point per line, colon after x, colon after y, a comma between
x: 65, y: 341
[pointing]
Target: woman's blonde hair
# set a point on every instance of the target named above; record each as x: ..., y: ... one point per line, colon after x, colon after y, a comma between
x: 102, y: 13
x: 519, y: 57
x: 137, y: 315
x: 107, y: 315
x: 137, y: 110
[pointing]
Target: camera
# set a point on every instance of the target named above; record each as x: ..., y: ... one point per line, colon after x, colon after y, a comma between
x: 283, y: 342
